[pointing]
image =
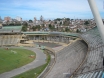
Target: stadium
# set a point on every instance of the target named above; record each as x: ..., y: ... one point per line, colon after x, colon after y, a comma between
x: 65, y: 55
x: 74, y: 55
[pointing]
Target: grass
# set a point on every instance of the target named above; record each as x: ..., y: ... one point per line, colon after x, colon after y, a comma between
x: 14, y: 58
x: 34, y: 73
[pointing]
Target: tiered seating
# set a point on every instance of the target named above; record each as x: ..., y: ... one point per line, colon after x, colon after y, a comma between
x: 9, y: 39
x: 68, y: 59
x: 54, y: 38
x: 95, y: 74
x: 52, y: 45
x: 94, y: 59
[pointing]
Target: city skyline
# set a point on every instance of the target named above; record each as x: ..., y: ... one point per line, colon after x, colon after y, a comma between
x: 49, y: 9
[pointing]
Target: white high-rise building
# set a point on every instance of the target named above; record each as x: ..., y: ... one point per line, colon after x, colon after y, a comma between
x: 35, y: 20
x: 18, y: 18
x: 41, y: 18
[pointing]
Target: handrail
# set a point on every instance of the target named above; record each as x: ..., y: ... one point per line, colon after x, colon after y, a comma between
x: 54, y: 60
x: 50, y: 49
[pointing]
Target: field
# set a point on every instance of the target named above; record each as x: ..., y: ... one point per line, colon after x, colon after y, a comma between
x: 14, y: 58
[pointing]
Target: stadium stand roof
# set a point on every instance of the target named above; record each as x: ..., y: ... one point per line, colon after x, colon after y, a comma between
x: 51, y: 33
x: 10, y: 29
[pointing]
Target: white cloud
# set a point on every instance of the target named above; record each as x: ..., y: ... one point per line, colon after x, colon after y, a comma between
x: 50, y: 8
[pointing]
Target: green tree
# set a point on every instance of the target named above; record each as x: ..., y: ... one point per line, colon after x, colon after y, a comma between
x: 11, y: 24
x: 68, y: 19
x: 38, y: 27
x: 60, y: 23
x: 77, y: 31
x: 43, y: 25
x: 25, y: 25
x: 66, y: 23
x: 72, y: 19
x: 51, y: 27
x: 24, y: 28
x: 34, y: 28
x: 67, y: 29
x: 86, y: 23
x: 30, y: 21
x: 55, y: 22
x: 58, y: 19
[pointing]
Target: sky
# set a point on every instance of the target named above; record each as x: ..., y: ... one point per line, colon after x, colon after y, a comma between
x: 49, y: 9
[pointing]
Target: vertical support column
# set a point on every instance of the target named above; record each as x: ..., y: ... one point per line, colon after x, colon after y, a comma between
x: 50, y: 38
x: 39, y: 38
x: 97, y: 19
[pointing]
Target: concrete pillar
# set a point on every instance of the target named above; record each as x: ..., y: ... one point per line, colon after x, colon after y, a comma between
x: 97, y: 18
x: 39, y: 38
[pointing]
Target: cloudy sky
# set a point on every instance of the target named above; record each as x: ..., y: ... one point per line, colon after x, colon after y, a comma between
x: 49, y: 9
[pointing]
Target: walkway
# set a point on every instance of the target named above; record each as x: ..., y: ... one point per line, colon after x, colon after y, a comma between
x: 40, y: 60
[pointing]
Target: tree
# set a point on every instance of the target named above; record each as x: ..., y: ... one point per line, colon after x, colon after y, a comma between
x: 43, y: 25
x: 34, y: 28
x: 55, y: 22
x: 71, y: 19
x: 58, y: 19
x: 11, y: 24
x: 30, y: 21
x: 86, y: 23
x: 60, y: 23
x: 51, y: 27
x: 67, y: 29
x: 77, y: 31
x: 25, y: 25
x: 66, y: 23
x: 38, y: 27
x: 49, y: 20
x: 24, y: 28
x: 68, y: 19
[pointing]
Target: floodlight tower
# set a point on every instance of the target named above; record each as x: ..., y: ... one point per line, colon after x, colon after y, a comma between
x: 97, y: 18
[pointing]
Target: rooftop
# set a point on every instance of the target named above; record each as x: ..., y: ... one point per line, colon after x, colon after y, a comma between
x: 51, y: 33
x: 10, y: 29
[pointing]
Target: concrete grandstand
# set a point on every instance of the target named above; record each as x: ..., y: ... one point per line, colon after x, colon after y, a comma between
x: 88, y: 63
x: 93, y: 65
x: 10, y: 35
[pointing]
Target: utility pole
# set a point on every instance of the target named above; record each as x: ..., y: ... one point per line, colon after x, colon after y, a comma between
x: 97, y: 18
